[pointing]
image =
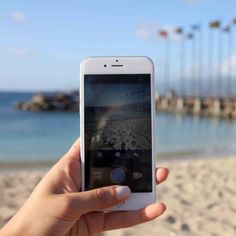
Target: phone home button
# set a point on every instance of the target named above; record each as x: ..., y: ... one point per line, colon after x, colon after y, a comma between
x: 117, y: 175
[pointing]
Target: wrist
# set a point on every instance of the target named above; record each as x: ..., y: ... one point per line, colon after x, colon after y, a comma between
x: 10, y: 229
x: 14, y: 227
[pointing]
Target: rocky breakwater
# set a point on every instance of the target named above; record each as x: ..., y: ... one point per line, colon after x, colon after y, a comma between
x: 53, y: 102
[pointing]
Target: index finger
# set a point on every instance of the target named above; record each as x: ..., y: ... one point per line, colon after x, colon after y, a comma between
x: 161, y: 174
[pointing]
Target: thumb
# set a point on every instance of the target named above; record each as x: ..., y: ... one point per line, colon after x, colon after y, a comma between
x: 98, y: 199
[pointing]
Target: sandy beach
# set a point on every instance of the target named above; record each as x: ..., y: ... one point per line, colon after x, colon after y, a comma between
x: 200, y: 196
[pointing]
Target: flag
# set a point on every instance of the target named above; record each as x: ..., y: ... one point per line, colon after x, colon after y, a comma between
x: 163, y: 34
x: 190, y: 36
x: 214, y: 24
x: 226, y: 29
x: 179, y: 30
x: 196, y: 27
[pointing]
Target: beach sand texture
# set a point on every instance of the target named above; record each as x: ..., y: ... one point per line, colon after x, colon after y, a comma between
x: 200, y: 196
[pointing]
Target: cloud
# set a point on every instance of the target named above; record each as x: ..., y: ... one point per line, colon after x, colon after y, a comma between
x: 21, y: 53
x: 228, y: 66
x: 18, y: 16
x: 143, y: 32
x: 147, y: 30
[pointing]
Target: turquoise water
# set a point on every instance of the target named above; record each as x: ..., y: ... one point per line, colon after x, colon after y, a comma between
x: 34, y: 136
x: 26, y: 136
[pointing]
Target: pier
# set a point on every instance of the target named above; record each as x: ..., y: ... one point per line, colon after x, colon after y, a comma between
x: 206, y: 107
x: 202, y: 81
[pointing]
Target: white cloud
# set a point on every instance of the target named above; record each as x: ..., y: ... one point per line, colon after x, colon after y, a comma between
x: 143, y: 32
x: 18, y: 16
x: 21, y: 53
x: 229, y: 66
x: 147, y: 30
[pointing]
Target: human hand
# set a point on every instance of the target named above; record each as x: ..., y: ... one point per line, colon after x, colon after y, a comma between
x: 57, y: 207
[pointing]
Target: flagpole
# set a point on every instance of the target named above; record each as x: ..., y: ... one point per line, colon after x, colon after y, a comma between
x: 193, y: 66
x: 232, y: 75
x: 231, y: 53
x: 164, y: 34
x: 167, y: 72
x: 180, y: 32
x: 228, y: 30
x: 230, y: 50
x: 197, y: 28
x: 200, y: 87
x: 182, y: 74
x: 210, y: 45
x: 219, y: 76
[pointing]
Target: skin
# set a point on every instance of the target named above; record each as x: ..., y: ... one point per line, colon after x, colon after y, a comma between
x: 57, y: 207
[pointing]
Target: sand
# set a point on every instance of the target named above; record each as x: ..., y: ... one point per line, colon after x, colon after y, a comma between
x: 200, y: 196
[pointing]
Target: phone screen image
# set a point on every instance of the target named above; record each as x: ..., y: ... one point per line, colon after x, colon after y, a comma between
x: 118, y: 131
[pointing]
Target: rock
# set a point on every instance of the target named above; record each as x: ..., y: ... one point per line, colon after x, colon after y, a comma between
x: 58, y: 102
x: 185, y: 227
x: 38, y: 99
x: 171, y: 219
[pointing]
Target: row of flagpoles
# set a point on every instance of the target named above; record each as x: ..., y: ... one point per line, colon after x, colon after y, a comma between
x: 200, y: 83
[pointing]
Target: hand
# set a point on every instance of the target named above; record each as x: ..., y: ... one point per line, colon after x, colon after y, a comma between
x: 57, y: 207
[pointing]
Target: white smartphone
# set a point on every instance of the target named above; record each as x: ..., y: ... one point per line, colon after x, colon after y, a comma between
x: 117, y: 126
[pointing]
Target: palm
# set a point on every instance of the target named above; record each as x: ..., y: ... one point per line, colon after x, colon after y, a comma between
x: 87, y: 225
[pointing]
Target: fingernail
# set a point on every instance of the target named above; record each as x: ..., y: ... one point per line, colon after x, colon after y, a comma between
x: 122, y: 192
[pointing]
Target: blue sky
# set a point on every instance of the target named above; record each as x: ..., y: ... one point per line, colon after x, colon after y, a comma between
x: 43, y: 42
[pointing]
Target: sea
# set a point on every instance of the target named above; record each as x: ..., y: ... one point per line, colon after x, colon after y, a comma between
x: 46, y: 136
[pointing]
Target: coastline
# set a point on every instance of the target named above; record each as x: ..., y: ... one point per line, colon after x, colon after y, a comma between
x: 200, y: 196
x: 26, y: 165
x: 160, y: 158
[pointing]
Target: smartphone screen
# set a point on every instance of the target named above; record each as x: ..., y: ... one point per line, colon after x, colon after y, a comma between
x: 118, y: 131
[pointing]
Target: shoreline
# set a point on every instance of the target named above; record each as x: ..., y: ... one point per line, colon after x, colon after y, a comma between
x: 27, y: 164
x: 169, y: 158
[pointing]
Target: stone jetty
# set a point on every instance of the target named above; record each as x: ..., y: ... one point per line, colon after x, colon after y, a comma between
x: 208, y: 107
x: 64, y: 102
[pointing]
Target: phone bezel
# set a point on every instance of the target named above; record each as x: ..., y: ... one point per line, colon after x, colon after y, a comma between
x: 130, y: 65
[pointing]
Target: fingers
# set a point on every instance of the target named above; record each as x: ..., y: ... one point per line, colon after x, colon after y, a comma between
x: 161, y: 174
x: 98, y: 199
x: 74, y: 151
x: 71, y: 160
x: 72, y: 154
x: 115, y: 220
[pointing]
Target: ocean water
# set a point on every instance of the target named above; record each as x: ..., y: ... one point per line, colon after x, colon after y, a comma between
x: 27, y: 136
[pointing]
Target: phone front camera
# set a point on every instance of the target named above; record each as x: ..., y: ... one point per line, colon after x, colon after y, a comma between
x: 105, y: 65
